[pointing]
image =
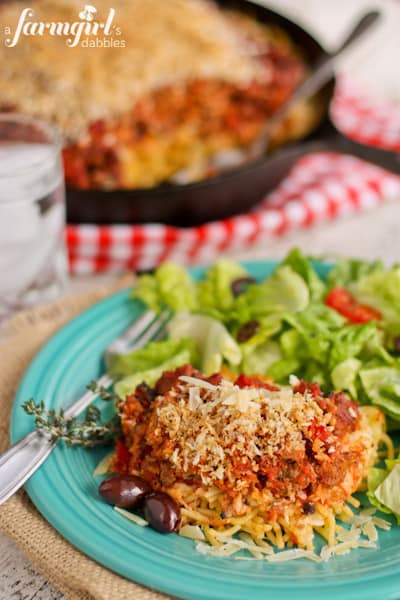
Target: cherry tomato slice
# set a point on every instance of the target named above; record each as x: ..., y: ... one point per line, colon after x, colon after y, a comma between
x: 344, y: 303
x: 122, y: 457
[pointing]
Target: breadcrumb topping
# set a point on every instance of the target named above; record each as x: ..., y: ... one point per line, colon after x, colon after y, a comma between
x: 212, y: 426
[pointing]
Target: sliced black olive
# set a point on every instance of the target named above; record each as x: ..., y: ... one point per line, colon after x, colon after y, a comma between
x: 125, y: 491
x: 240, y: 285
x: 162, y: 512
x: 247, y: 331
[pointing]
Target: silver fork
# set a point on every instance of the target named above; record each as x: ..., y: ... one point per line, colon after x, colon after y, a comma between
x: 22, y: 459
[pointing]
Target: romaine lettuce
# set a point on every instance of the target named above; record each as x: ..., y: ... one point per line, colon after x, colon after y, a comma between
x: 375, y: 478
x: 128, y: 384
x: 215, y: 296
x: 349, y: 341
x: 384, y: 487
x: 303, y: 267
x: 170, y: 286
x: 381, y: 290
x: 283, y: 291
x: 388, y: 492
x: 344, y: 375
x: 152, y: 355
x: 213, y: 342
x: 347, y: 271
x: 382, y: 388
x: 261, y: 358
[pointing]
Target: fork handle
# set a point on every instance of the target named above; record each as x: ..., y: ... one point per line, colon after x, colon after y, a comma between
x: 21, y: 461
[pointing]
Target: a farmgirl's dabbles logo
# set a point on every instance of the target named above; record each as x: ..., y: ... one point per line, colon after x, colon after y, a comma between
x: 88, y: 32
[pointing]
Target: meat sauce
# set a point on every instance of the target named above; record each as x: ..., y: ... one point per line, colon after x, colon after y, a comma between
x: 283, y: 475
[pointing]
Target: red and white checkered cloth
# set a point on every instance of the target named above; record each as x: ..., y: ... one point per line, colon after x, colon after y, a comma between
x: 368, y: 120
x: 320, y: 187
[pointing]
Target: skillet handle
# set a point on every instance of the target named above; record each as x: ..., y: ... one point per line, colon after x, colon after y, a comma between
x: 331, y: 139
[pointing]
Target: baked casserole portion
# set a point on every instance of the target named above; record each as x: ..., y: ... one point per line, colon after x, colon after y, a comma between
x: 176, y: 83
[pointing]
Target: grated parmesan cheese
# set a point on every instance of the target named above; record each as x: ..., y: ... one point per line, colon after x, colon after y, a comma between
x: 131, y: 516
x: 193, y: 532
x: 104, y: 465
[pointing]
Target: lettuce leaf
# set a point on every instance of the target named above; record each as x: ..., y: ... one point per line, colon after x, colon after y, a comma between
x: 268, y: 327
x: 388, y: 491
x: 324, y: 349
x: 381, y: 290
x: 147, y: 291
x: 212, y: 340
x: 349, y: 341
x: 283, y: 291
x: 375, y: 478
x: 153, y: 354
x: 283, y: 368
x: 382, y: 388
x: 215, y: 297
x: 303, y: 267
x: 315, y: 327
x: 170, y: 286
x: 261, y: 358
x: 316, y: 318
x: 384, y: 487
x: 128, y: 384
x: 344, y: 375
x: 347, y: 271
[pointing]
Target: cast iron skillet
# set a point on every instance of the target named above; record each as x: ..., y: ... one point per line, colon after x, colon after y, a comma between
x: 234, y: 192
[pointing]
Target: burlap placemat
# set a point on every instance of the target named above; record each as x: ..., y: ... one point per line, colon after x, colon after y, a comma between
x: 77, y: 576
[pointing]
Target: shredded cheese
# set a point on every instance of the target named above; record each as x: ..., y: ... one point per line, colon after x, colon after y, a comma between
x: 104, y: 465
x: 131, y: 516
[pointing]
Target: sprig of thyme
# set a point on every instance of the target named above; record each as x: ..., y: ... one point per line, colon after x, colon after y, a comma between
x: 89, y: 432
x: 103, y: 392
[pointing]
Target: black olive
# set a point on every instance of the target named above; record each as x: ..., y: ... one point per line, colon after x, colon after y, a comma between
x: 309, y: 508
x: 161, y: 512
x: 125, y: 491
x: 247, y: 331
x: 396, y: 344
x: 240, y: 285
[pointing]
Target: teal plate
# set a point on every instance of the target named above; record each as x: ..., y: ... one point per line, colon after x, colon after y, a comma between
x: 65, y: 492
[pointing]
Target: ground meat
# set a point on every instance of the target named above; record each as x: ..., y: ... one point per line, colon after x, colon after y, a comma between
x: 170, y: 378
x: 304, y: 386
x: 347, y: 413
x: 330, y: 473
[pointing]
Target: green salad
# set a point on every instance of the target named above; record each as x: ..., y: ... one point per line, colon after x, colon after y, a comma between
x: 342, y: 331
